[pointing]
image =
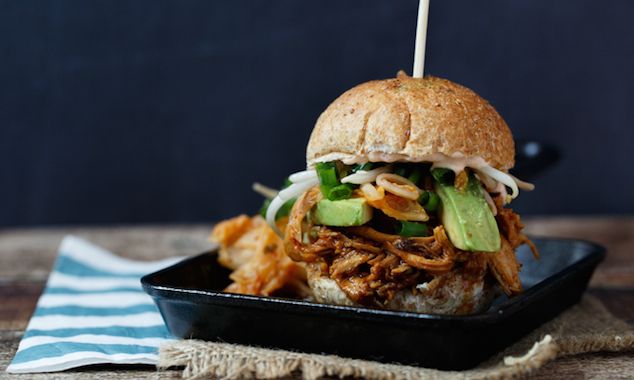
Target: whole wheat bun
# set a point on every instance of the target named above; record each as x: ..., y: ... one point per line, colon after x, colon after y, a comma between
x: 452, y: 294
x: 410, y: 119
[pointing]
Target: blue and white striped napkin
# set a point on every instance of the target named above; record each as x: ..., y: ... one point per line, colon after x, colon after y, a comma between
x: 92, y: 311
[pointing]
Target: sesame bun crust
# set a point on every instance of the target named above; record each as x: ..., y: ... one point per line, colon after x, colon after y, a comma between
x: 411, y: 120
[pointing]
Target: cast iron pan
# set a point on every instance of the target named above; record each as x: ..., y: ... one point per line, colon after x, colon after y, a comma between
x: 189, y: 296
x: 532, y: 158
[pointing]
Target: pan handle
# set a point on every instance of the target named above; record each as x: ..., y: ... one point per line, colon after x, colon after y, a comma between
x: 534, y: 157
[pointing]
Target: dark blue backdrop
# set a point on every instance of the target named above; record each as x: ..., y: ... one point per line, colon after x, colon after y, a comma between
x: 153, y: 111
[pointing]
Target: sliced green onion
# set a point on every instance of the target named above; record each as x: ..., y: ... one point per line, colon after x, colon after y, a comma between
x: 442, y: 175
x: 327, y: 173
x: 344, y: 172
x: 429, y: 200
x: 415, y: 176
x: 411, y: 229
x: 366, y: 167
x: 401, y: 170
x: 340, y: 192
x: 424, y: 197
x: 432, y: 203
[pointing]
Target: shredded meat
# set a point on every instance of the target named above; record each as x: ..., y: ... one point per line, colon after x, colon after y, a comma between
x: 293, y: 236
x: 503, y: 264
x: 347, y: 263
x: 368, y: 265
x: 371, y: 266
x: 413, y: 251
x: 505, y: 268
x: 511, y: 228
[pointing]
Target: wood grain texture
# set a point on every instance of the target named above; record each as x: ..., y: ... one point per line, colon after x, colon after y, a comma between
x: 614, y: 233
x: 17, y: 302
x: 26, y: 256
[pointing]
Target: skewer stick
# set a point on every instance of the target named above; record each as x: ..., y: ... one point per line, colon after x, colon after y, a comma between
x: 421, y: 39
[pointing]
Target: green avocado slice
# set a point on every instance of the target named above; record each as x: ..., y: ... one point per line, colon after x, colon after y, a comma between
x: 342, y: 213
x: 467, y: 218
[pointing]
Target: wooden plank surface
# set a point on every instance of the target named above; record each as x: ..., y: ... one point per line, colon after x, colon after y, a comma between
x: 27, y: 255
x: 614, y: 233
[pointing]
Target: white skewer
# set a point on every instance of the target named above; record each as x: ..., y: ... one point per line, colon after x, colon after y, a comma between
x: 421, y: 39
x: 264, y: 191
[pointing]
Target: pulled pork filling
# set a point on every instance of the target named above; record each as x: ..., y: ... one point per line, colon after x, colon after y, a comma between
x: 371, y: 266
x: 395, y: 238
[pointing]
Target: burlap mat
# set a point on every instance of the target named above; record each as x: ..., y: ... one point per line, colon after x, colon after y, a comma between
x: 586, y: 327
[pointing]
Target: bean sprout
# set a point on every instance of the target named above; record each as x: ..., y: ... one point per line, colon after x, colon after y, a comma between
x: 365, y: 176
x: 302, y: 176
x: 503, y: 178
x: 522, y: 184
x: 293, y: 191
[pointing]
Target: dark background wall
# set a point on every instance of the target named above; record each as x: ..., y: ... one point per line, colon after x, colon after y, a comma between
x: 156, y: 111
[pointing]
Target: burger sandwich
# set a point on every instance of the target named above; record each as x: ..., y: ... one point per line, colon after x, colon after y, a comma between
x: 403, y: 206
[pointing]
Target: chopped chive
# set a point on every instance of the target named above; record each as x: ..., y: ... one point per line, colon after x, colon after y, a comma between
x: 401, y: 170
x: 415, y: 176
x: 367, y: 166
x: 429, y: 200
x: 432, y: 203
x: 340, y: 192
x: 411, y: 229
x: 424, y: 197
x: 443, y: 176
x: 344, y: 171
x: 327, y: 173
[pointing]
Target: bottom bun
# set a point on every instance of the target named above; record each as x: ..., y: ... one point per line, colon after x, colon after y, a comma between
x: 453, y: 293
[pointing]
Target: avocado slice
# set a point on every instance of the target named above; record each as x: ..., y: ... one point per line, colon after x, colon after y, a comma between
x: 467, y: 217
x: 342, y: 213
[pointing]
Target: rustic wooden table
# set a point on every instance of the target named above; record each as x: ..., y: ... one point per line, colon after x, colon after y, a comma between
x: 26, y: 256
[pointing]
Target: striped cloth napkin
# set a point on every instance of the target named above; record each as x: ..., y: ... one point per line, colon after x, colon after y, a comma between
x: 92, y: 311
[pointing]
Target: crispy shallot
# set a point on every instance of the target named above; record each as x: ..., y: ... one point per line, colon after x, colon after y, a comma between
x: 400, y: 208
x: 370, y: 192
x: 461, y: 181
x: 398, y: 185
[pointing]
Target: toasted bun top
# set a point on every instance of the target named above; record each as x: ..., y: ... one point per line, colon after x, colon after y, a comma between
x: 410, y: 119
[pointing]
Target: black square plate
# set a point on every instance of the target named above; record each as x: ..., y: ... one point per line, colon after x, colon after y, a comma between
x: 190, y: 298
